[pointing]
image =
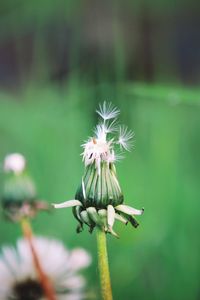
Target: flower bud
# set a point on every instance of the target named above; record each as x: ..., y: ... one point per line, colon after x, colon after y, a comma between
x: 99, y: 189
x: 19, y: 197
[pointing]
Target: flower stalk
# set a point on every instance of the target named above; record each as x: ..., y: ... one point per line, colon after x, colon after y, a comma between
x: 99, y: 200
x: 45, y: 282
x: 106, y: 289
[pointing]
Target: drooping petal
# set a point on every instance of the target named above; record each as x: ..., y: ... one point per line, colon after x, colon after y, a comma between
x: 111, y: 220
x: 69, y: 203
x: 121, y: 218
x: 103, y: 215
x: 113, y: 233
x: 133, y: 221
x: 110, y: 216
x: 92, y: 213
x: 76, y: 212
x: 85, y: 218
x: 129, y: 210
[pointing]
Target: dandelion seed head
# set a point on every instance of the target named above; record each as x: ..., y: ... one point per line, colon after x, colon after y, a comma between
x: 99, y: 198
x: 108, y: 135
x: 14, y: 162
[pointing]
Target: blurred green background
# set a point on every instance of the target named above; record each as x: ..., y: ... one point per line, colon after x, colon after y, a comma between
x: 58, y: 61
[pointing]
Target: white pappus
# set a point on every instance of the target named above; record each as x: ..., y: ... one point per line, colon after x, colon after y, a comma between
x: 107, y: 136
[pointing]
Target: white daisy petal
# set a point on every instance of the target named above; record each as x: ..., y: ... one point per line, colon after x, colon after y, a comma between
x: 79, y: 259
x: 73, y: 283
x: 11, y: 260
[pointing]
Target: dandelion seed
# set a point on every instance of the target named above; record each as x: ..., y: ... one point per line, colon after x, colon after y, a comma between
x: 125, y: 137
x: 107, y: 111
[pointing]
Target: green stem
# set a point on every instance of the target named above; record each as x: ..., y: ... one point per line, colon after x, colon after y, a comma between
x: 106, y: 289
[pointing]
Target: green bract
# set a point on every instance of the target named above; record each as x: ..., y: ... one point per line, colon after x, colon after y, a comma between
x: 19, y: 198
x: 99, y: 189
x: 17, y: 189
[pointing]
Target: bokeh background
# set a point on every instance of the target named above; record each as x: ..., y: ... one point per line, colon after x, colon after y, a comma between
x: 58, y: 60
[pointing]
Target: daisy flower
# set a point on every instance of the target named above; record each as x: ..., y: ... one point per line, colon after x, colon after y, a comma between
x: 99, y: 200
x: 18, y: 276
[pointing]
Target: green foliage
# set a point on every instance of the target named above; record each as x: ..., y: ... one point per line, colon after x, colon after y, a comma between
x: 159, y: 260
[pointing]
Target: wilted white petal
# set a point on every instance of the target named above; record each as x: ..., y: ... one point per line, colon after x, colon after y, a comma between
x: 121, y: 218
x: 69, y: 203
x: 129, y: 210
x: 92, y: 212
x: 113, y: 233
x: 110, y: 215
x: 85, y: 218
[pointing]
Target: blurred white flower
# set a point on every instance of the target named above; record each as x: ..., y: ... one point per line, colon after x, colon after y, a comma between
x: 14, y: 162
x: 18, y: 277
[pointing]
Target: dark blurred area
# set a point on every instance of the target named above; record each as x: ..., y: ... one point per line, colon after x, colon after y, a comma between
x: 155, y: 41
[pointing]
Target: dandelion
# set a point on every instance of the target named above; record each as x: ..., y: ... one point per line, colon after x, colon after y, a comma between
x: 19, y: 197
x: 99, y: 200
x: 20, y: 203
x: 19, y: 278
